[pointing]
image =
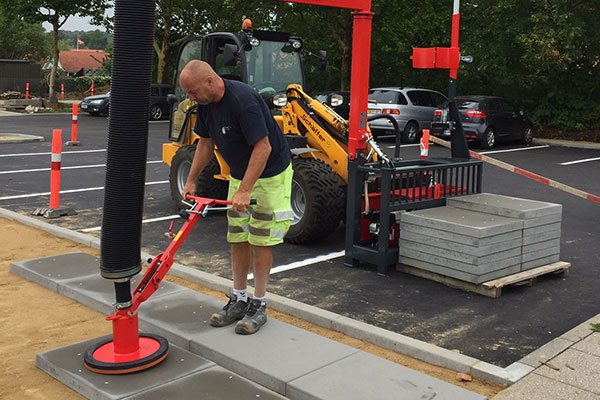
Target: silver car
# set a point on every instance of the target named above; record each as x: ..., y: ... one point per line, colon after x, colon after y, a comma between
x: 412, y: 108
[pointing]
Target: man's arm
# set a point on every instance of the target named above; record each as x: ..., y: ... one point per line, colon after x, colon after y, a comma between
x: 256, y: 166
x: 204, y: 152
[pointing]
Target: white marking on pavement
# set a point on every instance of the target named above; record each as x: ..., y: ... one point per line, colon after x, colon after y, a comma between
x: 304, y: 263
x: 22, y: 196
x: 17, y: 171
x: 145, y: 221
x: 510, y: 150
x: 403, y: 145
x: 47, y: 153
x: 580, y: 161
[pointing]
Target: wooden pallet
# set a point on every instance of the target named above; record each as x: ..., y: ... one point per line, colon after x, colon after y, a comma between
x: 494, y: 287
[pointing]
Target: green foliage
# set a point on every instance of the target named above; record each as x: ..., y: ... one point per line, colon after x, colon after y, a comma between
x: 64, y: 44
x: 21, y: 40
x: 82, y: 83
x: 96, y: 39
x: 596, y: 327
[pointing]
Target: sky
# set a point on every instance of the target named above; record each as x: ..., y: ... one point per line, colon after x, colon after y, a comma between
x: 77, y: 23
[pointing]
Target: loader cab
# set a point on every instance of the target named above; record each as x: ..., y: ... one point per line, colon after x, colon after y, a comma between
x: 268, y: 61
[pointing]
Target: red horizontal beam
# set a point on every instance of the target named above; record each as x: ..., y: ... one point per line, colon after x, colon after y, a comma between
x: 353, y: 4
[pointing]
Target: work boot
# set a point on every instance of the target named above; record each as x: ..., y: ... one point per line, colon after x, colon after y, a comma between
x: 233, y: 311
x: 255, y: 317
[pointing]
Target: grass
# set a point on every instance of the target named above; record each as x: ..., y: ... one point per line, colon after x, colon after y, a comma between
x: 596, y: 327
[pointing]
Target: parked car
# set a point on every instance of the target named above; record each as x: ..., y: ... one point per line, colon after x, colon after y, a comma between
x: 159, y: 105
x: 487, y: 120
x: 412, y: 108
x: 342, y: 109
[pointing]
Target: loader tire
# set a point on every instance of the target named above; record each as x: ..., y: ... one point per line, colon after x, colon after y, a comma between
x: 317, y: 201
x: 206, y: 185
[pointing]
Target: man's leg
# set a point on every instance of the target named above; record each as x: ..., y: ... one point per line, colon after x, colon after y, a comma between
x: 262, y: 260
x: 240, y: 264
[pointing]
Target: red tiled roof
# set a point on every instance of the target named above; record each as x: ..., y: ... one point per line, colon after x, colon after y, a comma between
x: 74, y: 60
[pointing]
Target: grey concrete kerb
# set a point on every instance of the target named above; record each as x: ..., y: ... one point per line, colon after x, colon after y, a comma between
x: 356, y: 329
x: 568, y: 143
x: 19, y: 138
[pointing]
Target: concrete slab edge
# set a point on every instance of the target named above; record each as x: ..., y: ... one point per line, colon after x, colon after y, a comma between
x: 567, y: 143
x: 390, y: 340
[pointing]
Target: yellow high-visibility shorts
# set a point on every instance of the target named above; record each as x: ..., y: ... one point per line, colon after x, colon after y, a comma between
x: 266, y: 222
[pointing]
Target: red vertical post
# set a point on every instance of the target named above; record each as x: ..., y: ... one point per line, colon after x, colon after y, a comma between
x: 73, y: 141
x: 92, y: 88
x: 455, y: 30
x: 55, y: 170
x: 425, y: 144
x: 361, y: 50
x: 27, y: 90
x: 62, y: 91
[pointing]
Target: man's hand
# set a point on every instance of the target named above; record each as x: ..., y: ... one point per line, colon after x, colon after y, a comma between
x: 189, y: 188
x: 240, y: 201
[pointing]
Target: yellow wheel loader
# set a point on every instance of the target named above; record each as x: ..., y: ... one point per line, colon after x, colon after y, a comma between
x: 271, y: 63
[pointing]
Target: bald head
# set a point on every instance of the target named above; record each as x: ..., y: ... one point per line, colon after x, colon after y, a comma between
x: 201, y: 82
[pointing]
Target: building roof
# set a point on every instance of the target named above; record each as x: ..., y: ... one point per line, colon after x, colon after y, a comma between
x: 75, y: 60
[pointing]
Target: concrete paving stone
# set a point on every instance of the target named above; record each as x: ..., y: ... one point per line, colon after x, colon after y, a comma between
x: 479, y: 269
x: 66, y: 365
x: 506, y: 206
x: 457, y: 255
x: 546, y: 352
x: 582, y: 330
x: 517, y: 371
x: 364, y: 376
x: 553, y: 243
x: 457, y: 238
x: 98, y: 293
x: 537, y: 387
x: 48, y: 271
x: 590, y: 344
x: 540, y: 229
x: 463, y: 248
x: 548, y: 219
x: 574, y: 368
x: 540, y: 262
x: 460, y: 274
x: 463, y: 222
x: 178, y: 315
x: 542, y: 237
x: 535, y: 255
x: 214, y: 383
x: 259, y: 357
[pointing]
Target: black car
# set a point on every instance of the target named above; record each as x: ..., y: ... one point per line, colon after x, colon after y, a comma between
x: 159, y: 105
x: 487, y: 120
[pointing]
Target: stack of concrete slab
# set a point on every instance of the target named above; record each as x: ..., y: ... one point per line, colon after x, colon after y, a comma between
x: 463, y: 244
x: 541, y: 223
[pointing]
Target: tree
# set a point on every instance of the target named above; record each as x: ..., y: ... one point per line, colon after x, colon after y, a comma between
x: 22, y: 40
x: 56, y: 13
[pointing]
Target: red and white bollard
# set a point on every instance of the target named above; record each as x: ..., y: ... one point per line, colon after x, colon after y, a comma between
x: 55, y: 169
x: 62, y: 91
x: 92, y: 88
x: 425, y: 144
x: 27, y: 90
x: 73, y: 141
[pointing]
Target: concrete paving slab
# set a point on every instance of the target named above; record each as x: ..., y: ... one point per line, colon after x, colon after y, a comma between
x: 66, y: 365
x: 479, y: 269
x: 537, y: 387
x: 547, y: 352
x: 179, y: 315
x: 214, y: 383
x: 477, y: 251
x: 548, y: 219
x: 590, y: 344
x: 462, y: 275
x: 457, y: 238
x: 542, y: 237
x: 535, y: 255
x: 98, y: 293
x: 582, y: 330
x: 553, y: 243
x: 464, y: 222
x: 506, y: 206
x: 574, y: 368
x: 361, y: 376
x: 538, y: 262
x: 540, y: 229
x: 259, y: 357
x: 48, y: 271
x: 457, y: 255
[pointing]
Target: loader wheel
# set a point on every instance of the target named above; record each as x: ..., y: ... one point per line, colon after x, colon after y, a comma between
x: 317, y: 201
x: 206, y: 185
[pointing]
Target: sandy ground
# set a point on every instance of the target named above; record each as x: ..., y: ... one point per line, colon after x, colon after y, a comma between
x: 34, y: 319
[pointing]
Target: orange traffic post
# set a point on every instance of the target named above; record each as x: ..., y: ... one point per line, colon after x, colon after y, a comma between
x: 55, y: 169
x: 62, y: 91
x: 27, y: 90
x: 73, y: 141
x: 92, y: 88
x: 425, y: 144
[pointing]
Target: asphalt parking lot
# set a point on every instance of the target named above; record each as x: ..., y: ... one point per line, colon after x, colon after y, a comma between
x: 499, y: 331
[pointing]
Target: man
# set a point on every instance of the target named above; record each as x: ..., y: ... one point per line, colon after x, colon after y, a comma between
x: 232, y: 116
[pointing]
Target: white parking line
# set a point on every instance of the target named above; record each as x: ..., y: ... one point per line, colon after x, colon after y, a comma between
x: 510, y: 150
x: 48, y: 153
x: 403, y: 145
x: 580, y: 161
x: 22, y: 196
x: 145, y: 221
x: 304, y: 263
x: 18, y: 171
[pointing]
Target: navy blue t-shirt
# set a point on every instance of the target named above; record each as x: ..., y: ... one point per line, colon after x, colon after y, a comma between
x: 236, y: 123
